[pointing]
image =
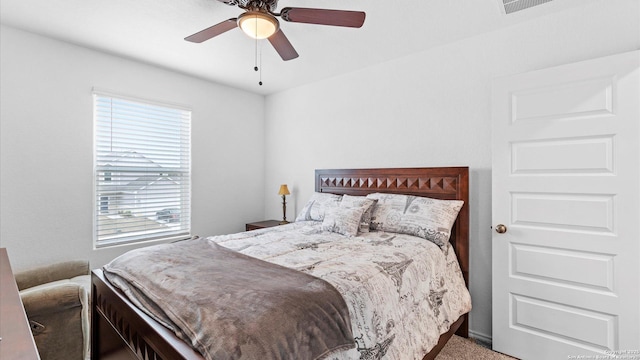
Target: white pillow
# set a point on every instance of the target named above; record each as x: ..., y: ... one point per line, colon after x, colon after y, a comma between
x: 360, y: 202
x: 424, y: 217
x: 343, y: 220
x: 317, y: 205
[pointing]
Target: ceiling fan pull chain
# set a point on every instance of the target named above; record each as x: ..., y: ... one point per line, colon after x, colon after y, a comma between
x: 256, y: 68
x: 256, y: 51
x: 260, y: 82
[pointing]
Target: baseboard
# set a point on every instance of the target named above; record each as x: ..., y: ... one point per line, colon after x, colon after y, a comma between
x: 481, y: 339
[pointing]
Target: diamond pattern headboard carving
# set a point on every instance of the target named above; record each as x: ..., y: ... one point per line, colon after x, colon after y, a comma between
x: 442, y: 183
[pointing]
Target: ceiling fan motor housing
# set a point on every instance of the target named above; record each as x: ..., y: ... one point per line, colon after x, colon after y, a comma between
x: 268, y: 5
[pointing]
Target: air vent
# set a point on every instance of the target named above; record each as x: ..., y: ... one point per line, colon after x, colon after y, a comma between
x: 511, y: 6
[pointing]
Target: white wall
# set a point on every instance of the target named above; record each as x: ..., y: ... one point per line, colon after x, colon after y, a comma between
x: 428, y: 109
x: 46, y: 149
x: 431, y: 109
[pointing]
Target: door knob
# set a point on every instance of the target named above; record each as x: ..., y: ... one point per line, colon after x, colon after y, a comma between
x: 501, y: 229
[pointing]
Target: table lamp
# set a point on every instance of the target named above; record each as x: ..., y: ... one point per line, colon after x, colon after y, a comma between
x: 284, y: 191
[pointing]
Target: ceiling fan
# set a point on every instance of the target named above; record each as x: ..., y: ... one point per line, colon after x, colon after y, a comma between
x: 259, y: 22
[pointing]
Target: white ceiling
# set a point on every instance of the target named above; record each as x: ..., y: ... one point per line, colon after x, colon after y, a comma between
x: 153, y: 31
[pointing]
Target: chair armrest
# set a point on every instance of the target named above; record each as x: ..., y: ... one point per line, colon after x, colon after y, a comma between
x: 46, y: 274
x: 49, y: 299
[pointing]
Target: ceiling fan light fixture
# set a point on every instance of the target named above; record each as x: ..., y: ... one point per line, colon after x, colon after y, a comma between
x: 258, y: 25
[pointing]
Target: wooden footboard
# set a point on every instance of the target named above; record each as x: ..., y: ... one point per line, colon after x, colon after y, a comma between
x: 119, y: 330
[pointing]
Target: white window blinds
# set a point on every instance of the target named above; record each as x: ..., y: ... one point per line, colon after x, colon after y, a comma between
x: 142, y: 171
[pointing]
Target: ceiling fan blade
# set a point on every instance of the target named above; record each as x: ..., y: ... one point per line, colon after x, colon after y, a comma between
x: 213, y: 31
x: 283, y: 46
x: 324, y: 17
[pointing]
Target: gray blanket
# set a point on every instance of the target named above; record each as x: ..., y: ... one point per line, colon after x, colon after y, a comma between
x: 232, y: 306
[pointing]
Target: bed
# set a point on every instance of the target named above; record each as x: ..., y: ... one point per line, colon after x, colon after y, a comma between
x: 120, y: 330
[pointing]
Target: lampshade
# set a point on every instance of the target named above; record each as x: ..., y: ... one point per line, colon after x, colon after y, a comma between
x: 284, y: 190
x: 258, y: 25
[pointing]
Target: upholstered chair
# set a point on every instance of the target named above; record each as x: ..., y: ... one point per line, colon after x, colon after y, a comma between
x: 56, y: 300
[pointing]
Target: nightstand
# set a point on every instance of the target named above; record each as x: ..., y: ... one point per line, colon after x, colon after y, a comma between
x: 262, y: 224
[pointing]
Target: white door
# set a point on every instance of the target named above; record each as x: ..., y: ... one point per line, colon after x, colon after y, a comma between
x: 566, y: 186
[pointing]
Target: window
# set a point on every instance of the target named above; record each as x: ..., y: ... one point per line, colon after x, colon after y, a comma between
x: 142, y: 170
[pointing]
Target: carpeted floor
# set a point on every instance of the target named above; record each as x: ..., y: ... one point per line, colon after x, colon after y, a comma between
x: 461, y: 349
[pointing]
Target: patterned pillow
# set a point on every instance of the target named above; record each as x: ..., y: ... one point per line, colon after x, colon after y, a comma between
x: 360, y: 202
x: 317, y: 205
x: 424, y: 217
x: 342, y: 220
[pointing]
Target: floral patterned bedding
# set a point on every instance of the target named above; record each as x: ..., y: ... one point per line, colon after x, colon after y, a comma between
x: 402, y: 291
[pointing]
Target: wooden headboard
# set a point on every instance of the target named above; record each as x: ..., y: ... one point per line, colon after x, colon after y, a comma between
x: 450, y: 183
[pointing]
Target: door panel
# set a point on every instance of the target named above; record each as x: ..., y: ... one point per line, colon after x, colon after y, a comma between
x: 563, y: 156
x: 566, y: 184
x: 579, y: 269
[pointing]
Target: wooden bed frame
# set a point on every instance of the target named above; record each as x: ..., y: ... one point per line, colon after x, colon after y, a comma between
x: 119, y: 330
